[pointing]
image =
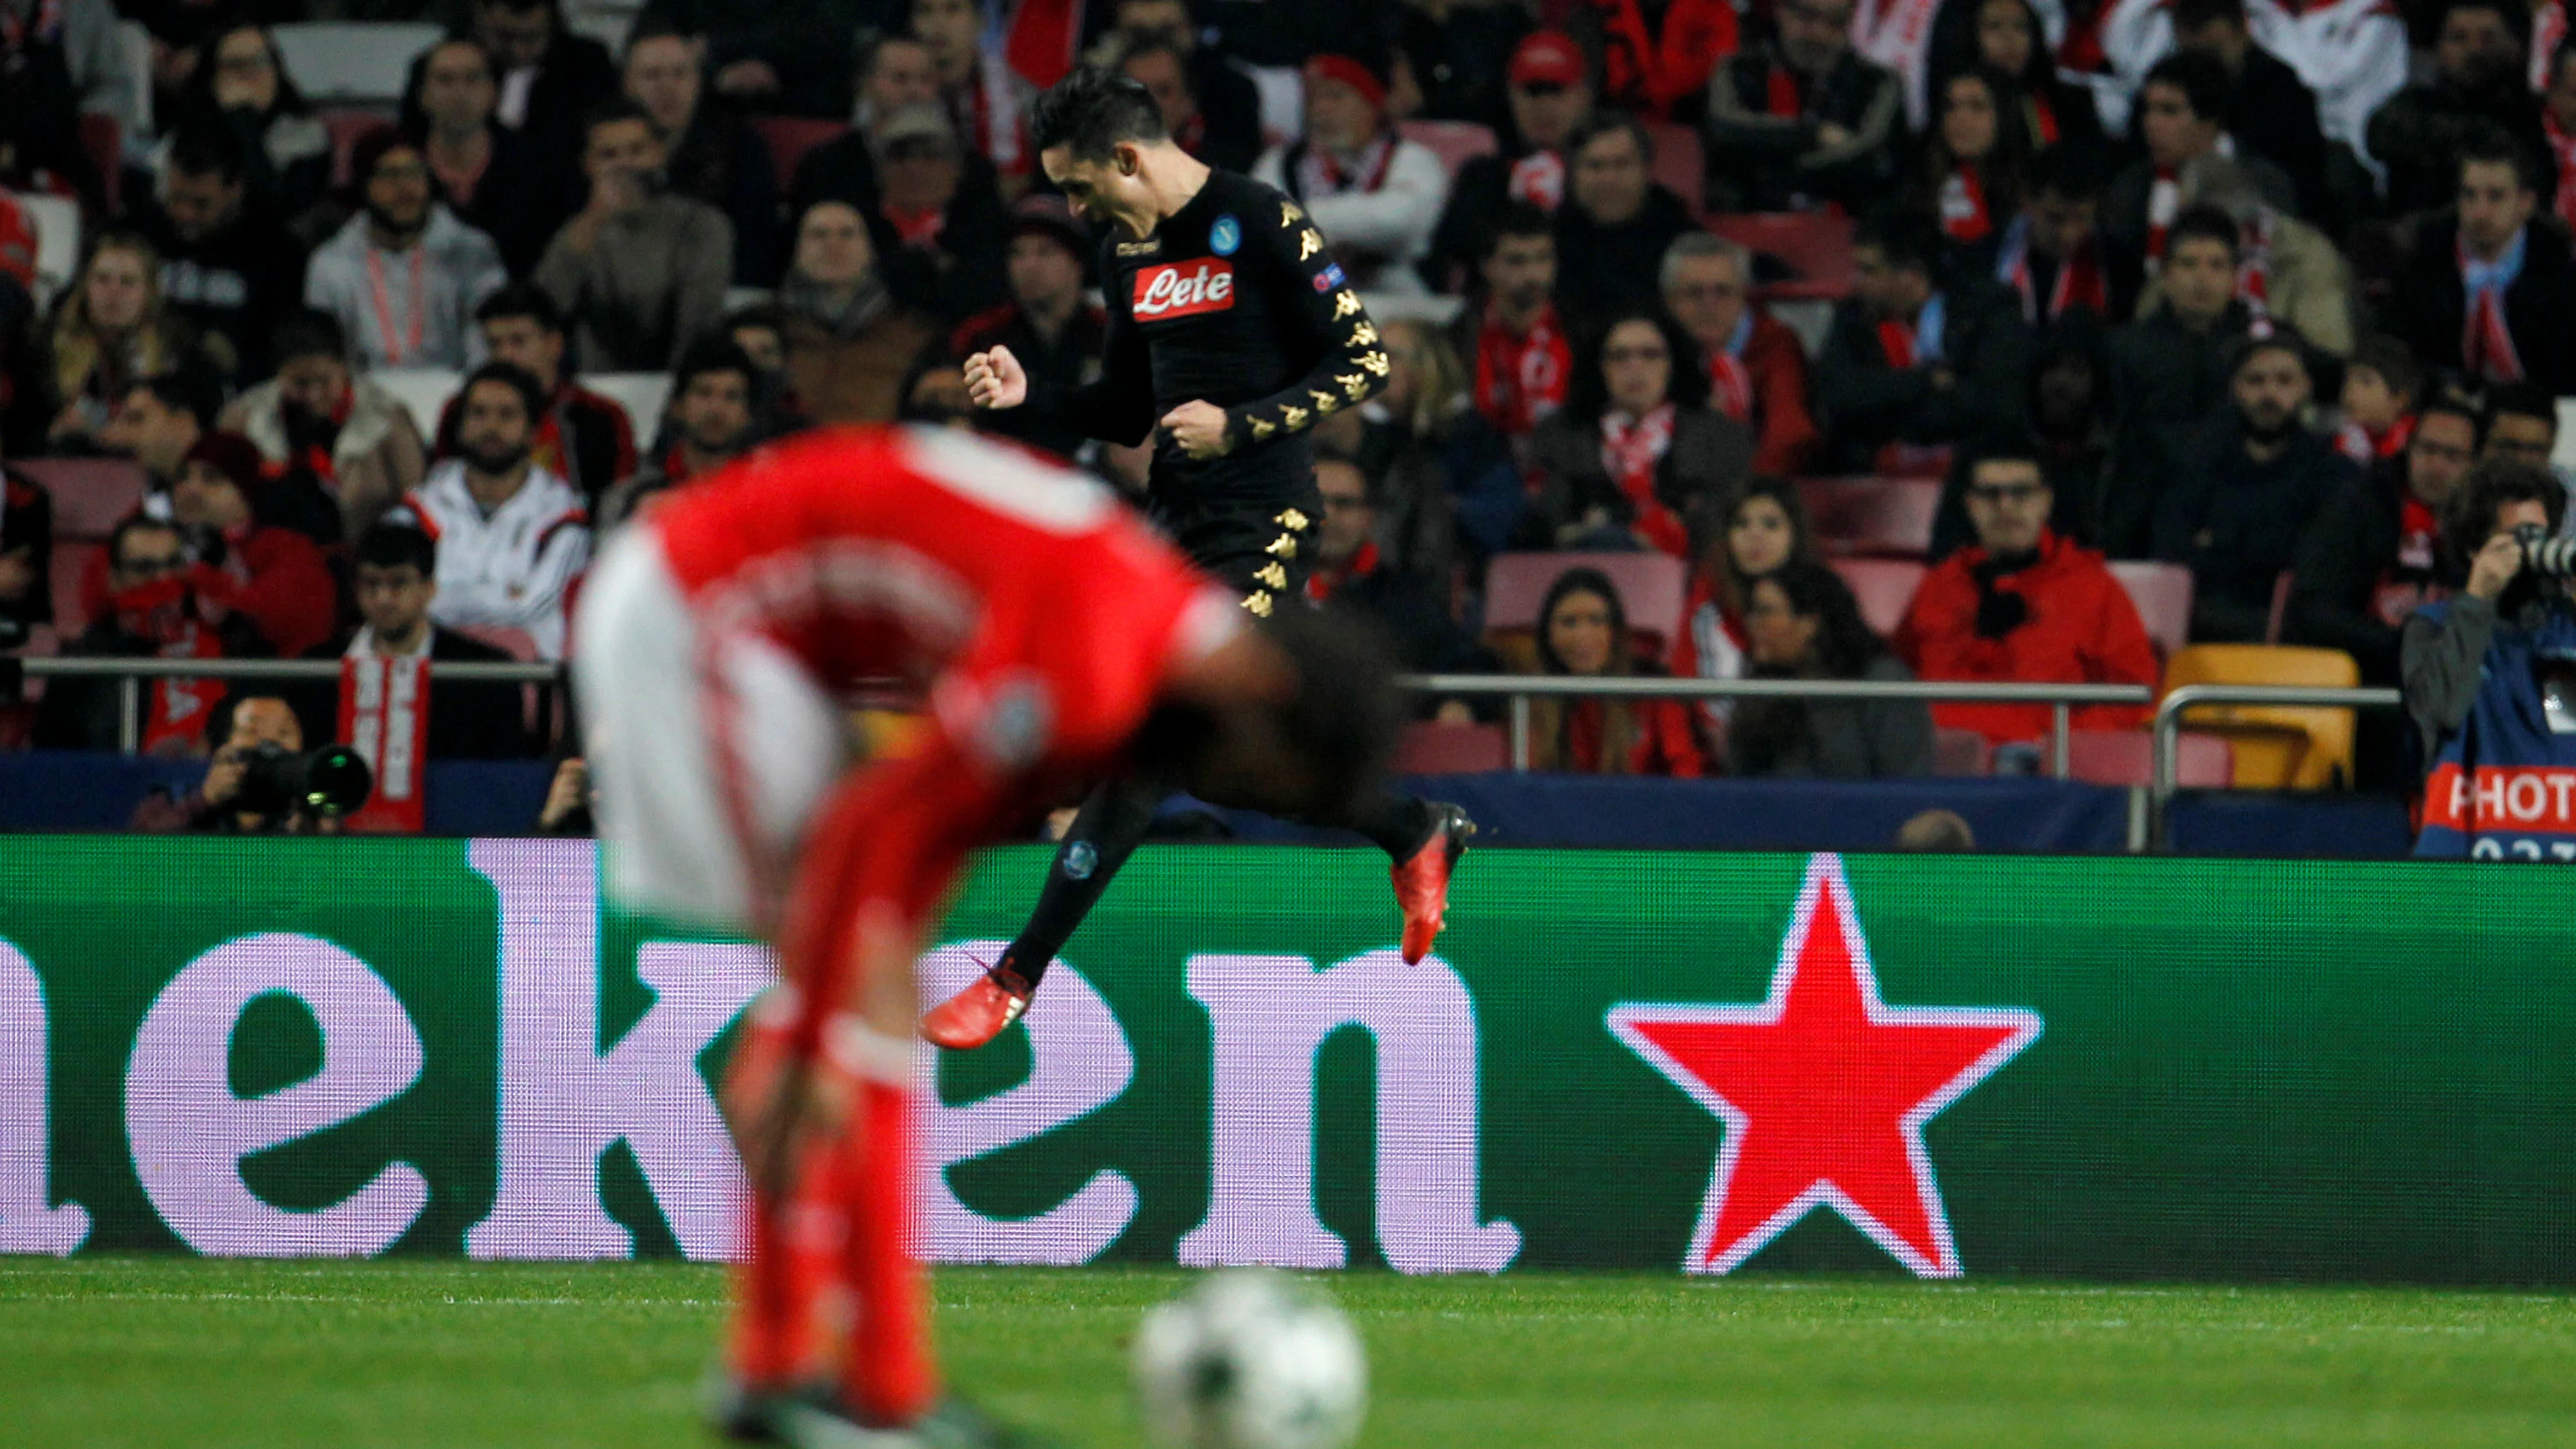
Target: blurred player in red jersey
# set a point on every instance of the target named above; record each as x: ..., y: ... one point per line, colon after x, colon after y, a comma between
x: 1050, y: 635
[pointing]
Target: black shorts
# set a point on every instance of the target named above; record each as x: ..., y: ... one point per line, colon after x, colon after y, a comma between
x: 1264, y: 552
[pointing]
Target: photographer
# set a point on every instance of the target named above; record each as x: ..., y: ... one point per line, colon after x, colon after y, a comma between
x: 2489, y: 676
x: 246, y: 724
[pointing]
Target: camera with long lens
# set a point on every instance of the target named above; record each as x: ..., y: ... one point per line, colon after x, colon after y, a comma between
x: 323, y: 783
x: 2550, y: 558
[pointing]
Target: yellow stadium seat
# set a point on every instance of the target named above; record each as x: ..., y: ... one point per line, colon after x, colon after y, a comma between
x: 2276, y: 748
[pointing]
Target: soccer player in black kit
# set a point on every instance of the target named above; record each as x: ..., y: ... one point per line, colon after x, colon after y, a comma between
x: 1231, y: 333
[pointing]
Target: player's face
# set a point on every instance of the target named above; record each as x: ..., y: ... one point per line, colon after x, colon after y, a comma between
x: 525, y: 344
x: 2008, y: 502
x: 1579, y: 633
x: 2494, y: 204
x: 1103, y: 191
x: 1968, y: 118
x: 2003, y: 35
x: 1760, y: 537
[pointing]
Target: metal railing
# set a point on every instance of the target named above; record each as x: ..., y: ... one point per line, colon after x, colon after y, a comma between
x: 132, y: 672
x: 1520, y: 689
x: 2165, y: 771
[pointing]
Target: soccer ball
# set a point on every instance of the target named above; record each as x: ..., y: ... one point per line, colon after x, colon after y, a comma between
x: 1247, y: 1360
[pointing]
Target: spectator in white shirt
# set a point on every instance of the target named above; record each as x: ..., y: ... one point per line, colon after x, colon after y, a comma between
x: 1374, y: 195
x: 511, y: 536
x: 404, y: 276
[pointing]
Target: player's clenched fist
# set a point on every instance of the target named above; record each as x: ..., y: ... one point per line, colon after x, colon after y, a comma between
x: 995, y: 379
x: 1199, y: 427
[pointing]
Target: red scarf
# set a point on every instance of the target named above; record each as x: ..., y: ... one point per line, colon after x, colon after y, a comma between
x: 384, y: 715
x: 2043, y: 121
x: 989, y: 112
x: 1539, y: 179
x: 1321, y: 584
x: 2408, y: 583
x: 1730, y: 382
x: 2079, y: 281
x: 1521, y: 377
x: 1962, y: 205
x: 2562, y: 149
x: 2366, y: 447
x: 1039, y: 38
x: 2487, y: 350
x: 1631, y: 453
x: 1780, y: 94
x: 318, y: 458
x: 2254, y: 262
x: 1897, y: 341
x: 164, y: 613
x: 917, y: 228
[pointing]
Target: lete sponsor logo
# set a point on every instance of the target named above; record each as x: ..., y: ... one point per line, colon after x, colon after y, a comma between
x: 1824, y: 1090
x: 1184, y: 289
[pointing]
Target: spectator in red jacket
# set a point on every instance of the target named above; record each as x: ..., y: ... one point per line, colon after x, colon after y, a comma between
x: 2023, y: 604
x: 274, y: 577
x: 1757, y: 372
x: 1583, y: 629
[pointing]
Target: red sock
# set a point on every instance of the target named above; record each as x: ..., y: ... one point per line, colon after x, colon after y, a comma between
x: 790, y: 1246
x: 886, y: 1374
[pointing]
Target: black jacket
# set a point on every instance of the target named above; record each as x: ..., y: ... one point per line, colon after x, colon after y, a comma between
x: 1761, y: 162
x: 2419, y: 133
x: 233, y: 285
x: 2161, y: 377
x: 2349, y: 548
x: 573, y: 75
x: 2236, y: 522
x: 2273, y: 114
x: 2539, y: 308
x: 722, y: 161
x: 466, y: 721
x: 1603, y: 269
x: 1710, y: 457
x: 1868, y: 403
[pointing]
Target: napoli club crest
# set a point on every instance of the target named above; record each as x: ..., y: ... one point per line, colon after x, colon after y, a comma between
x: 1225, y: 236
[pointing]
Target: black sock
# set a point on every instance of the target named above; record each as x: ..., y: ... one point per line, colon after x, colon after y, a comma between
x: 1396, y: 824
x: 1105, y: 832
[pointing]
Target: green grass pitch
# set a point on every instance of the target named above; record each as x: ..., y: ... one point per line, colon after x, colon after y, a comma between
x: 102, y: 1353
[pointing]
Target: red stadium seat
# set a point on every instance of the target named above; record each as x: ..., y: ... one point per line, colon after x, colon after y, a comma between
x: 2127, y: 757
x: 2162, y: 592
x: 1431, y: 748
x: 1455, y: 142
x: 1884, y: 586
x: 74, y: 561
x: 1815, y: 246
x: 790, y: 137
x: 1872, y: 515
x: 1961, y: 753
x: 91, y: 495
x: 1652, y: 587
x: 1678, y: 163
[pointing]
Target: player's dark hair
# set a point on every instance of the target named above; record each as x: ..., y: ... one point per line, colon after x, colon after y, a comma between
x: 2204, y: 222
x: 510, y: 376
x: 393, y: 545
x: 308, y: 332
x: 1518, y: 219
x: 2202, y: 79
x: 2073, y: 173
x: 2393, y: 361
x: 1091, y: 111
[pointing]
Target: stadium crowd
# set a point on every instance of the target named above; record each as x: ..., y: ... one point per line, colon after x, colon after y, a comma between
x: 1878, y: 340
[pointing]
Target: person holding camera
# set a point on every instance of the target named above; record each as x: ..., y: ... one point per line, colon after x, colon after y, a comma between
x: 260, y: 782
x: 2489, y: 675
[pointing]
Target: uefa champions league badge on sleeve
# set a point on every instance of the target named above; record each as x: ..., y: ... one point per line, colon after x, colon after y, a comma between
x: 1225, y: 236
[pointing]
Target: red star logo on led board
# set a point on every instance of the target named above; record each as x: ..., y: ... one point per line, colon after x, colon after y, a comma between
x: 1824, y: 1090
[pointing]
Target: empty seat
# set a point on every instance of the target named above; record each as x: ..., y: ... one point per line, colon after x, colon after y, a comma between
x: 1884, y: 586
x: 353, y: 60
x: 1815, y: 248
x: 1652, y: 587
x: 1678, y: 163
x: 423, y: 392
x: 1429, y: 747
x: 2162, y: 592
x: 2127, y: 757
x: 1961, y: 753
x: 91, y: 495
x: 642, y: 394
x: 2275, y: 747
x: 1455, y: 142
x: 1872, y: 515
x: 790, y: 137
